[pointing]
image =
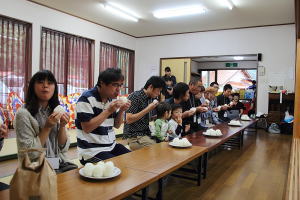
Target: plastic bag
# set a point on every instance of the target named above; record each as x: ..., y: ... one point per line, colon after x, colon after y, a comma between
x: 273, y: 128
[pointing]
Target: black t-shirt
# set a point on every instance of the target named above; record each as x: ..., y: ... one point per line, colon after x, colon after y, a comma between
x: 222, y: 100
x: 192, y: 102
x: 238, y: 106
x: 173, y: 79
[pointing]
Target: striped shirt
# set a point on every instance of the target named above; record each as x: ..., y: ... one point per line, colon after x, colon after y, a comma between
x: 102, y: 138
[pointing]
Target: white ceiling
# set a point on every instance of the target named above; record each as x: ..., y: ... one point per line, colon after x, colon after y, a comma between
x: 247, y: 13
x: 248, y: 57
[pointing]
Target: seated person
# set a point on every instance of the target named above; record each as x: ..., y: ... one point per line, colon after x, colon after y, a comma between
x: 175, y: 123
x: 138, y: 116
x: 163, y: 110
x: 96, y: 115
x: 236, y: 104
x: 180, y: 96
x: 224, y: 102
x: 3, y: 134
x: 38, y: 126
x: 211, y: 116
x: 195, y: 86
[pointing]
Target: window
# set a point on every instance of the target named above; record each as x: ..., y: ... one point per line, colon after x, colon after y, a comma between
x: 113, y: 56
x: 69, y: 58
x: 15, y: 54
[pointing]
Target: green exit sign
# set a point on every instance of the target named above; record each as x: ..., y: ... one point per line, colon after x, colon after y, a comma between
x: 231, y: 64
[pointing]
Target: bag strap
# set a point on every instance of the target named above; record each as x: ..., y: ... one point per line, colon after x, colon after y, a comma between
x: 27, y: 163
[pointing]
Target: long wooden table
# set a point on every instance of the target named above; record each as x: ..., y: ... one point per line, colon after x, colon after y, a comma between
x: 139, y: 169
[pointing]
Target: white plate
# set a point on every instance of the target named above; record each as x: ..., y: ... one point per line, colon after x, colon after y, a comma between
x: 234, y: 124
x: 178, y: 146
x: 204, y: 133
x: 116, y: 172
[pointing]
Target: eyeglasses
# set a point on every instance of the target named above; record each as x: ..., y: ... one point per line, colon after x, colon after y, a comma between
x: 117, y: 85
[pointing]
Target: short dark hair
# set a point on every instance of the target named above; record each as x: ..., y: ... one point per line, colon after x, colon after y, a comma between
x: 168, y: 79
x: 110, y: 75
x: 31, y: 100
x: 180, y: 89
x: 202, y: 88
x: 162, y: 108
x: 236, y: 94
x: 167, y: 69
x: 176, y: 107
x: 227, y: 87
x: 253, y: 82
x: 194, y: 81
x: 156, y: 82
x: 213, y: 83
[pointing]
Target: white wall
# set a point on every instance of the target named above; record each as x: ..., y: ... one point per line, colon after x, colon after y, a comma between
x: 41, y: 16
x: 276, y: 43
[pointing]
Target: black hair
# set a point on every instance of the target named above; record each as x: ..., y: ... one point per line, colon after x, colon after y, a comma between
x: 227, y: 87
x: 253, y: 82
x: 179, y: 90
x: 236, y: 94
x: 202, y: 88
x: 167, y: 79
x: 162, y: 108
x: 167, y: 69
x: 110, y: 75
x: 175, y: 107
x: 31, y: 100
x: 156, y: 82
x: 213, y: 83
x: 194, y: 81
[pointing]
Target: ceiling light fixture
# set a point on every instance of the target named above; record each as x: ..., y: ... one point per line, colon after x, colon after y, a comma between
x: 229, y: 4
x: 120, y: 11
x: 181, y: 11
x: 238, y: 58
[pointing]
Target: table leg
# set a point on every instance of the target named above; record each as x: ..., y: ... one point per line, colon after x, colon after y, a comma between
x: 159, y: 195
x: 145, y: 193
x: 199, y: 170
x: 205, y: 160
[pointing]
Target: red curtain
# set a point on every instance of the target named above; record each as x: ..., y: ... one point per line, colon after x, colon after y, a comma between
x: 113, y: 56
x: 69, y: 58
x: 79, y: 62
x: 14, y: 57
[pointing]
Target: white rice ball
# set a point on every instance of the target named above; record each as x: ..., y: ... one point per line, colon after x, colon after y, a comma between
x: 101, y: 163
x: 109, y: 170
x: 88, y: 169
x: 176, y: 141
x: 110, y: 163
x: 155, y: 101
x: 124, y: 99
x: 98, y: 171
x: 193, y: 109
x: 59, y: 109
x: 186, y: 142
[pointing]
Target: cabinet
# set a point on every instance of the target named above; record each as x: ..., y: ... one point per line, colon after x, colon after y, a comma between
x: 277, y: 109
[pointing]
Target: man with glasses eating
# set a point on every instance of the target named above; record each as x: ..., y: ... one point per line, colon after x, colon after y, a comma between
x: 97, y: 114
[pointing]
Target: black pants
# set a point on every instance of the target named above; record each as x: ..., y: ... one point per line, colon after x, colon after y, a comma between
x: 118, y: 150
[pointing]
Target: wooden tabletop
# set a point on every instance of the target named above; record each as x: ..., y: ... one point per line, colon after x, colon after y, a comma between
x: 159, y: 158
x: 198, y: 139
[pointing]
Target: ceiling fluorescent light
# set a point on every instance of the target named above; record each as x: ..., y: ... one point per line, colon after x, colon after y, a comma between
x: 229, y: 4
x: 238, y: 58
x: 120, y: 11
x: 190, y: 10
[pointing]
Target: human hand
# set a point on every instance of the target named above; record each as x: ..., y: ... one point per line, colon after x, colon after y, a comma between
x: 3, y: 131
x: 53, y: 119
x: 187, y: 128
x: 64, y: 120
x: 115, y: 105
x: 125, y: 106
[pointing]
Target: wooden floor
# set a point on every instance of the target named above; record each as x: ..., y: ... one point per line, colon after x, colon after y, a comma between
x: 257, y: 172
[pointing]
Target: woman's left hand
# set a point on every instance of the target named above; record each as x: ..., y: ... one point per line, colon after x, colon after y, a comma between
x: 65, y: 118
